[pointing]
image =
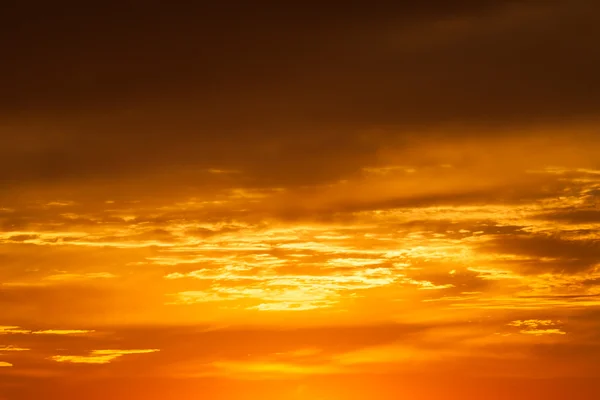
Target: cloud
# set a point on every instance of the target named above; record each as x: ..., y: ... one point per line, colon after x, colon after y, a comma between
x: 250, y: 188
x: 382, y: 77
x: 62, y: 332
x: 100, y: 356
x: 265, y: 370
x: 12, y: 330
x: 538, y: 327
x: 18, y: 330
x: 540, y: 332
x: 12, y: 348
x: 288, y: 291
x: 551, y: 253
x: 574, y: 216
x: 533, y: 323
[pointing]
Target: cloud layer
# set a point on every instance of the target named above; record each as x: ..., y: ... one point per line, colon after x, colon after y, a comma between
x: 297, y: 200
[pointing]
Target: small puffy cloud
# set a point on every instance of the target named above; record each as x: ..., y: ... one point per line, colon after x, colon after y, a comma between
x: 532, y: 323
x: 426, y: 285
x: 5, y: 364
x: 538, y: 327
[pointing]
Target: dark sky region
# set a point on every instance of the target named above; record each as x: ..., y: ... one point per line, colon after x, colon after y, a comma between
x: 299, y: 199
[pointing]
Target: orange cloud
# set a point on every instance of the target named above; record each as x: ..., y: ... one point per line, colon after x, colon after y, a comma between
x: 99, y: 356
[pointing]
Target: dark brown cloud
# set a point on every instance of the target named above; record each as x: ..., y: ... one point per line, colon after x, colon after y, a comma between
x: 147, y: 89
x: 574, y: 216
x: 375, y: 61
x: 548, y: 253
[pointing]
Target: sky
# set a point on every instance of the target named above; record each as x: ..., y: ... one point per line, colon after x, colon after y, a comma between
x: 300, y: 200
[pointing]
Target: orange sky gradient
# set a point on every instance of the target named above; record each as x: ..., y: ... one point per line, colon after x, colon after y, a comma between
x: 291, y: 201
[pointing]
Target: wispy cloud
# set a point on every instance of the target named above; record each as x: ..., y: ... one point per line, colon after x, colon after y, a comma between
x: 99, y: 356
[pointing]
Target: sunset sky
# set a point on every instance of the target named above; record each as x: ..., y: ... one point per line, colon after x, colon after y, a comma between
x: 241, y: 200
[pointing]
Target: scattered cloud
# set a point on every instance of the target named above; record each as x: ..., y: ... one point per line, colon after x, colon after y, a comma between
x: 62, y: 332
x: 349, y: 194
x: 18, y: 330
x: 12, y: 348
x: 99, y: 356
x: 538, y: 327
